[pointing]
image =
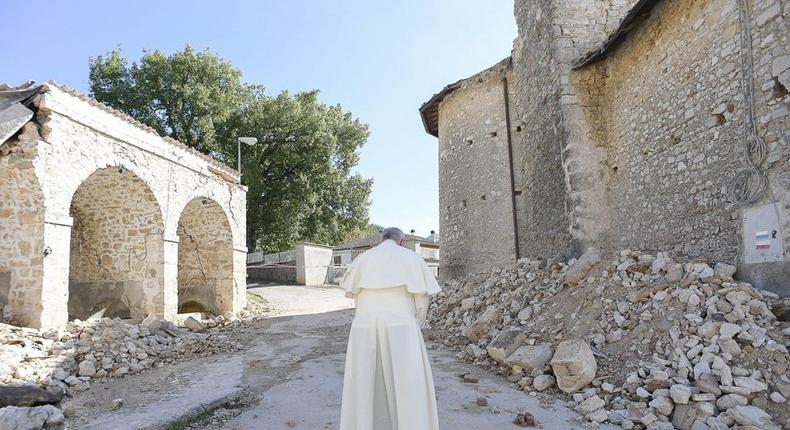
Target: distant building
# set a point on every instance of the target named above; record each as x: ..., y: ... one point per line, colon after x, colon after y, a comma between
x: 427, y: 247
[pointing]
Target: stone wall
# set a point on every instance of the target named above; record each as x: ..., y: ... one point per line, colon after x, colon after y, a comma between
x: 116, y: 256
x: 637, y: 149
x: 205, y: 259
x: 21, y: 224
x: 71, y: 138
x: 474, y: 185
x: 674, y: 112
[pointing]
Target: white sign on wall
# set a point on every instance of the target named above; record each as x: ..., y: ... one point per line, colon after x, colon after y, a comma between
x: 762, y: 235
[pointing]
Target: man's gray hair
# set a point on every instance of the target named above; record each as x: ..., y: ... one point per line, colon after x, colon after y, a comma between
x: 393, y: 233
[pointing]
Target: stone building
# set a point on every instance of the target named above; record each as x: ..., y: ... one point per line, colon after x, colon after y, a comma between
x: 628, y: 123
x: 97, y: 211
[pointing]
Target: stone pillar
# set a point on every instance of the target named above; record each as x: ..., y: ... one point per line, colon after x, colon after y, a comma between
x: 239, y: 279
x: 170, y: 278
x: 53, y: 309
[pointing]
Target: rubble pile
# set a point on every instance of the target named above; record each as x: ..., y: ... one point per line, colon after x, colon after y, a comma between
x: 637, y: 340
x: 53, y: 363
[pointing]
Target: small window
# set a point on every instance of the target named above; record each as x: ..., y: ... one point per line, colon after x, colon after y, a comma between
x: 337, y: 260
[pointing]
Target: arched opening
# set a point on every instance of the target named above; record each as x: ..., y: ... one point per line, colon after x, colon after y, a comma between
x: 116, y: 248
x: 205, y: 259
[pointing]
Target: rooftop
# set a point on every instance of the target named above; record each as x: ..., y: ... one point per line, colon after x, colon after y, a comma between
x: 24, y: 94
x: 429, y: 111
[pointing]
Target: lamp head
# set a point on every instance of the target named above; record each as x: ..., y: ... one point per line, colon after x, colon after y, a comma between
x: 248, y: 140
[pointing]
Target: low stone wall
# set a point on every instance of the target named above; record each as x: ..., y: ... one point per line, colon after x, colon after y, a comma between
x: 123, y: 299
x: 279, y: 274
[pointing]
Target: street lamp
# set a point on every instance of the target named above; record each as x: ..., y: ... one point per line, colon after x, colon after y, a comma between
x: 248, y: 141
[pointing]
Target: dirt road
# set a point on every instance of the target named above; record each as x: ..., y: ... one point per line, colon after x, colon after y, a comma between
x: 291, y: 374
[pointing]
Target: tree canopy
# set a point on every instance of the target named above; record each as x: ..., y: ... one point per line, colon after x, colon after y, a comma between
x: 300, y: 174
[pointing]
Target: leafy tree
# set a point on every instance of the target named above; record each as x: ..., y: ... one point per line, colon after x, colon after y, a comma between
x: 300, y: 174
x: 184, y: 95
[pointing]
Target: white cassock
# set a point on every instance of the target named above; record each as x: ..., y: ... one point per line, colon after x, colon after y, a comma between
x: 388, y: 383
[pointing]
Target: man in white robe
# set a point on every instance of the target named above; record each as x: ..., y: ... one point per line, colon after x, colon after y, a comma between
x: 388, y: 383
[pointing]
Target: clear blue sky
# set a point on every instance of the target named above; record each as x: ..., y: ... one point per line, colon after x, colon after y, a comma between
x: 379, y: 59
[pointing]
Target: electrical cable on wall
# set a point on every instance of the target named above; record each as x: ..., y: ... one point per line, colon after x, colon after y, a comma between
x: 749, y: 184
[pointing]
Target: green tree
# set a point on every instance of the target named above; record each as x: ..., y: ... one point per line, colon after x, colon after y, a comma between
x: 300, y: 174
x: 184, y: 95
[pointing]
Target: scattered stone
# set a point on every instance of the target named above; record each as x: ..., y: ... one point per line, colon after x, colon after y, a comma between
x: 531, y: 356
x: 680, y: 394
x: 504, y: 344
x: 524, y: 420
x: 591, y: 404
x: 543, y: 382
x: 751, y: 416
x: 482, y: 325
x: 116, y: 404
x: 574, y: 365
x: 578, y: 271
x: 32, y: 418
x: 194, y: 325
x: 28, y: 395
x: 482, y: 401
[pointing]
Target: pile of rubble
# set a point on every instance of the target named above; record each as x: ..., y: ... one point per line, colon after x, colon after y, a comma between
x: 39, y: 368
x: 641, y: 341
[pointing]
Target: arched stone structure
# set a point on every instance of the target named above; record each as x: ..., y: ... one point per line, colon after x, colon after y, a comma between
x: 21, y: 230
x: 60, y: 152
x: 205, y: 258
x: 116, y: 247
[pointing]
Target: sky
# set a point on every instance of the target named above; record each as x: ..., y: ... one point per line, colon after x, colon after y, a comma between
x: 380, y: 60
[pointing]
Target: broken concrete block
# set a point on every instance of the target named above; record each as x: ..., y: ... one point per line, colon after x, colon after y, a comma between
x: 578, y: 271
x: 574, y: 365
x: 504, y: 344
x: 531, y: 357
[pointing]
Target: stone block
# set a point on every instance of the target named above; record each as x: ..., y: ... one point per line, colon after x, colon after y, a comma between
x: 578, y: 271
x: 505, y: 343
x: 483, y: 324
x: 574, y: 365
x: 531, y: 356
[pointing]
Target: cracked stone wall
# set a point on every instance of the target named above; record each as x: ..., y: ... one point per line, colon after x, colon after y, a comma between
x: 205, y: 259
x: 636, y: 150
x: 116, y: 257
x: 70, y: 139
x: 474, y: 186
x: 21, y: 223
x: 672, y: 106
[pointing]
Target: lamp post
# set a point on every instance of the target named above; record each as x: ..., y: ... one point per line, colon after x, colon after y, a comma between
x: 249, y: 141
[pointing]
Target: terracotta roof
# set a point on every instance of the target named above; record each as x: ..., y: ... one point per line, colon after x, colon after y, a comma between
x: 429, y: 111
x: 222, y: 167
x: 638, y: 14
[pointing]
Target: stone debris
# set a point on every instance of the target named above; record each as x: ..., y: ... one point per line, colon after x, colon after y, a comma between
x: 38, y: 367
x: 638, y: 340
x: 524, y: 420
x: 573, y: 364
x: 32, y: 418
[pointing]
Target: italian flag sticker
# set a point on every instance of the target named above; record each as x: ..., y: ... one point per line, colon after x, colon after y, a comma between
x: 762, y: 240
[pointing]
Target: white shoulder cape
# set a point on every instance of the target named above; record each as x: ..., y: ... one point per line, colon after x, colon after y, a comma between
x: 389, y: 265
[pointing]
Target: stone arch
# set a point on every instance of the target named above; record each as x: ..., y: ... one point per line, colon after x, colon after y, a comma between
x: 116, y: 248
x: 205, y: 258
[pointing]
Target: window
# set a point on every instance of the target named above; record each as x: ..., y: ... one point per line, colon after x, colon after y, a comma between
x: 337, y: 260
